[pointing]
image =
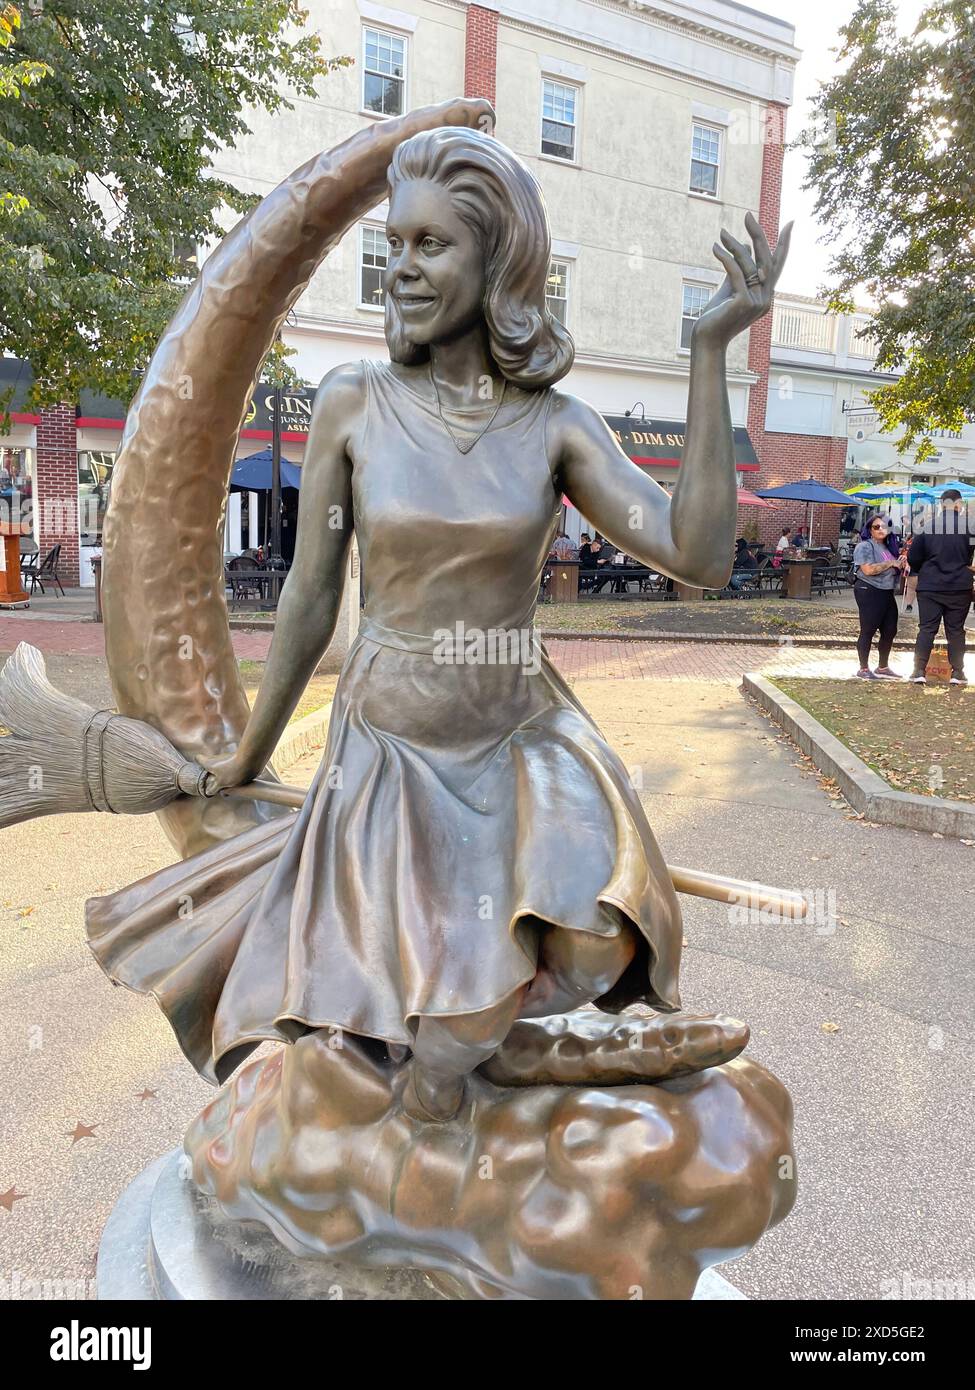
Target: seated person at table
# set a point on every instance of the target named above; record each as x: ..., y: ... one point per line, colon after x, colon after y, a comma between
x: 785, y: 541
x: 562, y: 547
x: 599, y: 556
x: 743, y: 563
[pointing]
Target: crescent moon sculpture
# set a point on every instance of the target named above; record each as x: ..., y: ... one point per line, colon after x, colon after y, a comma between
x: 167, y: 634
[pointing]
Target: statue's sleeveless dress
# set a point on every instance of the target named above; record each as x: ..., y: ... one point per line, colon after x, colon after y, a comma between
x: 458, y: 808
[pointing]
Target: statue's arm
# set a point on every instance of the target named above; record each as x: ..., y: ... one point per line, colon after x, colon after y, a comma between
x: 691, y: 535
x: 309, y: 604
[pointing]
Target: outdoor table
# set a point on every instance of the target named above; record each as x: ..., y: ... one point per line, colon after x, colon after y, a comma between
x: 798, y: 578
x: 12, y: 592
x: 564, y: 587
x: 619, y: 575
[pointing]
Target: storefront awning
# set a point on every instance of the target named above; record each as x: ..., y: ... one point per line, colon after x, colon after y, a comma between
x: 16, y: 379
x: 660, y: 443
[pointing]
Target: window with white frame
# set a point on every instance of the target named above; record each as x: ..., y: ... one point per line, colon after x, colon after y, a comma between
x: 383, y: 72
x: 694, y: 300
x: 705, y: 159
x: 373, y: 257
x: 559, y: 119
x: 557, y: 291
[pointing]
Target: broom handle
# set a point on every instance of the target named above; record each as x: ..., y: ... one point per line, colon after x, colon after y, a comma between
x: 719, y: 887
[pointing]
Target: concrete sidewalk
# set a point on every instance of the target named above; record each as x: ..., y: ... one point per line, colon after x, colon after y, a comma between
x: 882, y: 1133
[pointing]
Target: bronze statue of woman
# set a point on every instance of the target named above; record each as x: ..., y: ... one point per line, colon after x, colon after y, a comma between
x: 471, y: 852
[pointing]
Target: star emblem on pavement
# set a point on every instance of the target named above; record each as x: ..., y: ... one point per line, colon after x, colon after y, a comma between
x: 11, y: 1195
x: 81, y: 1131
x: 146, y: 1094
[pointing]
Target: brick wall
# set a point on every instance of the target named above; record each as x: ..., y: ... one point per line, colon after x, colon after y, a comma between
x: 789, y: 458
x: 481, y: 53
x: 784, y: 458
x: 56, y: 486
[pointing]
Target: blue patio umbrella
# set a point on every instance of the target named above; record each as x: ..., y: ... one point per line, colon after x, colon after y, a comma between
x: 965, y: 489
x: 810, y: 490
x: 253, y: 474
x: 891, y: 493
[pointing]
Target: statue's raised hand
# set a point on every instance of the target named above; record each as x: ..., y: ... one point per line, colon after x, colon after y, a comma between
x: 475, y: 113
x: 746, y: 294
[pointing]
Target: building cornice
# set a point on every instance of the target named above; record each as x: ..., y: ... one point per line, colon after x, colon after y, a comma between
x: 715, y: 24
x: 827, y: 369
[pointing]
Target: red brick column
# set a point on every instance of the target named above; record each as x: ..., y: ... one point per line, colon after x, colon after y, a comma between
x: 481, y: 53
x: 56, y: 487
x: 760, y: 333
x: 785, y: 458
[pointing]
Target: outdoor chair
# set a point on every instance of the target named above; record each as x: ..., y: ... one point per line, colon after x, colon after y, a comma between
x: 245, y: 577
x: 35, y: 574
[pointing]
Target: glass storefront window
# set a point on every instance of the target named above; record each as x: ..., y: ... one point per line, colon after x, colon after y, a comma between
x: 94, y: 484
x: 16, y: 483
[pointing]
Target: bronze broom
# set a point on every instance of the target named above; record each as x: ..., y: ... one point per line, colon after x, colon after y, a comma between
x: 58, y: 754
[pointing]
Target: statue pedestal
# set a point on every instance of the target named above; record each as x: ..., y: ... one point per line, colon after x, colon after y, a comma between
x: 166, y: 1241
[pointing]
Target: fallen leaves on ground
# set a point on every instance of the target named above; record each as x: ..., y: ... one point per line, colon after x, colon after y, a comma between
x: 920, y: 739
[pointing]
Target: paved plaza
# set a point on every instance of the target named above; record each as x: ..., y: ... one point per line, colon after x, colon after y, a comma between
x: 865, y: 1012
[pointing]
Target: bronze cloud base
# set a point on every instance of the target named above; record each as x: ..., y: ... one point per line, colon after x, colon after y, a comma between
x: 540, y: 1192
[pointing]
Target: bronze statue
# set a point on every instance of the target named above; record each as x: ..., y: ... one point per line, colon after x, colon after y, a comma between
x: 471, y: 853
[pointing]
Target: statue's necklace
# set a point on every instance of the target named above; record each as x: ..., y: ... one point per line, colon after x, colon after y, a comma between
x: 466, y: 447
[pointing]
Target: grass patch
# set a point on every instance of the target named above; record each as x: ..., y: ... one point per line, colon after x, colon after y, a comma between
x: 753, y: 617
x: 318, y: 691
x: 919, y: 738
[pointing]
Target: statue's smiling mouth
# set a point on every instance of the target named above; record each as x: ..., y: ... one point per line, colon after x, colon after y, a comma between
x: 414, y: 301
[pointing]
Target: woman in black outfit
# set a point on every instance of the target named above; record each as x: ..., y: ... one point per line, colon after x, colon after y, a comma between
x: 876, y: 572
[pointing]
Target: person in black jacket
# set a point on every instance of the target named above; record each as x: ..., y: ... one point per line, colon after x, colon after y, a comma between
x: 941, y: 557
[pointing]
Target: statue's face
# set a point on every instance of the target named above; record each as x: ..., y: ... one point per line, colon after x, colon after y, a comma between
x: 435, y: 273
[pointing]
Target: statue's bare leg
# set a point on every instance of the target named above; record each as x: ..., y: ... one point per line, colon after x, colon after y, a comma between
x: 448, y: 1049
x: 575, y: 967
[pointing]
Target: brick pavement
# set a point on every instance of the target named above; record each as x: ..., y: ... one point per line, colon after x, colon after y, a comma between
x: 576, y: 659
x: 675, y: 661
x: 88, y: 639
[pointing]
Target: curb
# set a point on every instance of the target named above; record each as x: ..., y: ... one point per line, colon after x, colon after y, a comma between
x: 251, y: 624
x: 864, y: 789
x: 738, y: 639
x: 305, y: 735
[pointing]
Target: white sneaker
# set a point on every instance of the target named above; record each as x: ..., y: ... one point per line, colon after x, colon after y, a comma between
x: 958, y: 680
x: 919, y: 680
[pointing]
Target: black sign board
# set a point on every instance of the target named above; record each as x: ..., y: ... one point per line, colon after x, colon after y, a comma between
x: 662, y: 441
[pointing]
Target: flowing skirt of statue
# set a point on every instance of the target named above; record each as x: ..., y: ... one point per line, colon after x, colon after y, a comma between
x: 409, y: 883
x: 458, y: 809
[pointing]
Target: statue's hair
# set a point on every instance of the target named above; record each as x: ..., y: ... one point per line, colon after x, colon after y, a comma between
x: 499, y: 198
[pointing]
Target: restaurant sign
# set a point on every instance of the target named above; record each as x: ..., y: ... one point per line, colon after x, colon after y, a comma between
x: 661, y: 442
x: 296, y: 408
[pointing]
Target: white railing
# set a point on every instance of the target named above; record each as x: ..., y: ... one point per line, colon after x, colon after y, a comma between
x: 861, y: 344
x: 803, y: 328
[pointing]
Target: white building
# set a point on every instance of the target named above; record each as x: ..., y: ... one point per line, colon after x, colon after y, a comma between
x: 821, y: 369
x: 644, y: 126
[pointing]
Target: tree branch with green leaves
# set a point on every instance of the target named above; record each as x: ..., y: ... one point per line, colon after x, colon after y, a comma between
x: 110, y: 118
x: 895, y: 186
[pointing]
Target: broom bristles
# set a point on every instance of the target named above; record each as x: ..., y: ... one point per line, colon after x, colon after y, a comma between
x: 55, y: 759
